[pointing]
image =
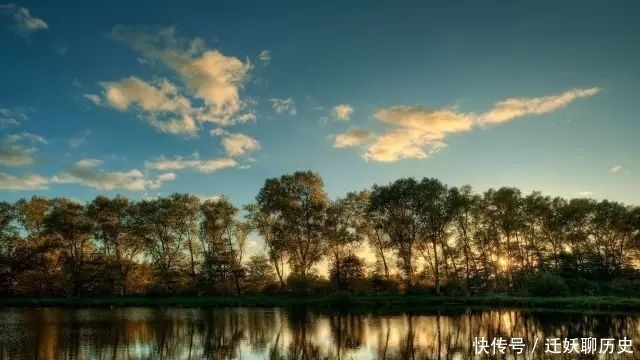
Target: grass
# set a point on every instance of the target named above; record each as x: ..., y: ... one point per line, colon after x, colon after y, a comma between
x: 344, y: 302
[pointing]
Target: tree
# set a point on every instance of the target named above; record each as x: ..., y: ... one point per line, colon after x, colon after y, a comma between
x: 506, y: 207
x: 346, y: 227
x: 271, y: 228
x: 464, y: 224
x: 41, y: 252
x: 259, y: 272
x: 437, y: 207
x: 160, y: 223
x: 68, y: 224
x: 393, y: 209
x: 299, y: 204
x: 216, y: 235
x: 113, y: 224
x: 9, y: 244
x: 350, y: 270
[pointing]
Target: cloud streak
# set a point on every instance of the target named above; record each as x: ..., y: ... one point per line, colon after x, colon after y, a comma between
x: 24, y: 23
x: 193, y: 163
x: 416, y: 132
x: 12, y: 153
x: 510, y: 109
x: 87, y: 172
x: 22, y: 182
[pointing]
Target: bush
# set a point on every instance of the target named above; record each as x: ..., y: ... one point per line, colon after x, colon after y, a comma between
x: 310, y: 284
x: 454, y: 287
x: 385, y: 286
x: 547, y: 284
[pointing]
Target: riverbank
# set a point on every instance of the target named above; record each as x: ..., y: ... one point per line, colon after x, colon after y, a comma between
x: 340, y: 302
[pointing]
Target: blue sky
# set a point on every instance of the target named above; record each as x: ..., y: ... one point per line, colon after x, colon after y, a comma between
x: 149, y: 98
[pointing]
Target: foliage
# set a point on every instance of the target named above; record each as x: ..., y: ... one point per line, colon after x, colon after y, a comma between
x: 411, y: 236
x: 547, y: 284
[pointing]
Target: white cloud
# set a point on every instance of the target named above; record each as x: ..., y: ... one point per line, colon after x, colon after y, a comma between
x: 161, y: 104
x: 284, y: 105
x: 87, y: 172
x: 160, y: 180
x: 194, y: 163
x: 238, y: 144
x: 615, y: 169
x: 351, y: 138
x: 5, y: 123
x: 26, y: 136
x: 265, y: 56
x: 415, y: 132
x: 10, y: 118
x: 95, y: 99
x: 79, y: 140
x: 246, y: 118
x: 22, y: 182
x: 214, y: 197
x: 342, y: 112
x: 511, y: 108
x: 584, y: 193
x: 208, y: 75
x: 218, y: 131
x: 14, y: 154
x: 25, y: 23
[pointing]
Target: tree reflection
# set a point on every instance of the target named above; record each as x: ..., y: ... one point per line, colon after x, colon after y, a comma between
x: 300, y: 334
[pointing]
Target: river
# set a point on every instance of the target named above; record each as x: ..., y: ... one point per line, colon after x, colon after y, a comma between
x: 251, y: 333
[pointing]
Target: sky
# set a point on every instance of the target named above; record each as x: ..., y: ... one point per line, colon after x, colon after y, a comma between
x: 145, y: 99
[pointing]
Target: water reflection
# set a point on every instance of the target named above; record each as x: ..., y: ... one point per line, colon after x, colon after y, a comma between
x: 154, y: 333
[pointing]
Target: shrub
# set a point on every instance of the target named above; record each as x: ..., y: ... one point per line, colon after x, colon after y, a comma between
x: 547, y: 284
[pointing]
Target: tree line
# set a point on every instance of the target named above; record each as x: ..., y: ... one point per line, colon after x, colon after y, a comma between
x: 407, y: 236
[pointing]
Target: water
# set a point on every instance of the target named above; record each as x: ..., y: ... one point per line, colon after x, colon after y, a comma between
x: 242, y: 333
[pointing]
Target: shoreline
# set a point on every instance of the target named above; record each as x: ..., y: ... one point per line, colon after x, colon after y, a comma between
x: 340, y: 302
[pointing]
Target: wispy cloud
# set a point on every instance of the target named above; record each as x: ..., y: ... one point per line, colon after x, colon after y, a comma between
x: 16, y: 155
x: 194, y: 163
x: 238, y: 144
x: 87, y: 172
x: 12, y: 153
x: 351, y: 138
x: 24, y: 23
x: 95, y: 99
x: 10, y: 118
x: 284, y: 105
x: 207, y: 74
x: 207, y: 88
x: 80, y: 139
x: 22, y: 182
x: 161, y: 104
x: 342, y: 112
x: 510, y: 109
x: 615, y: 169
x: 26, y: 136
x: 416, y: 132
x: 265, y: 57
x: 584, y: 193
